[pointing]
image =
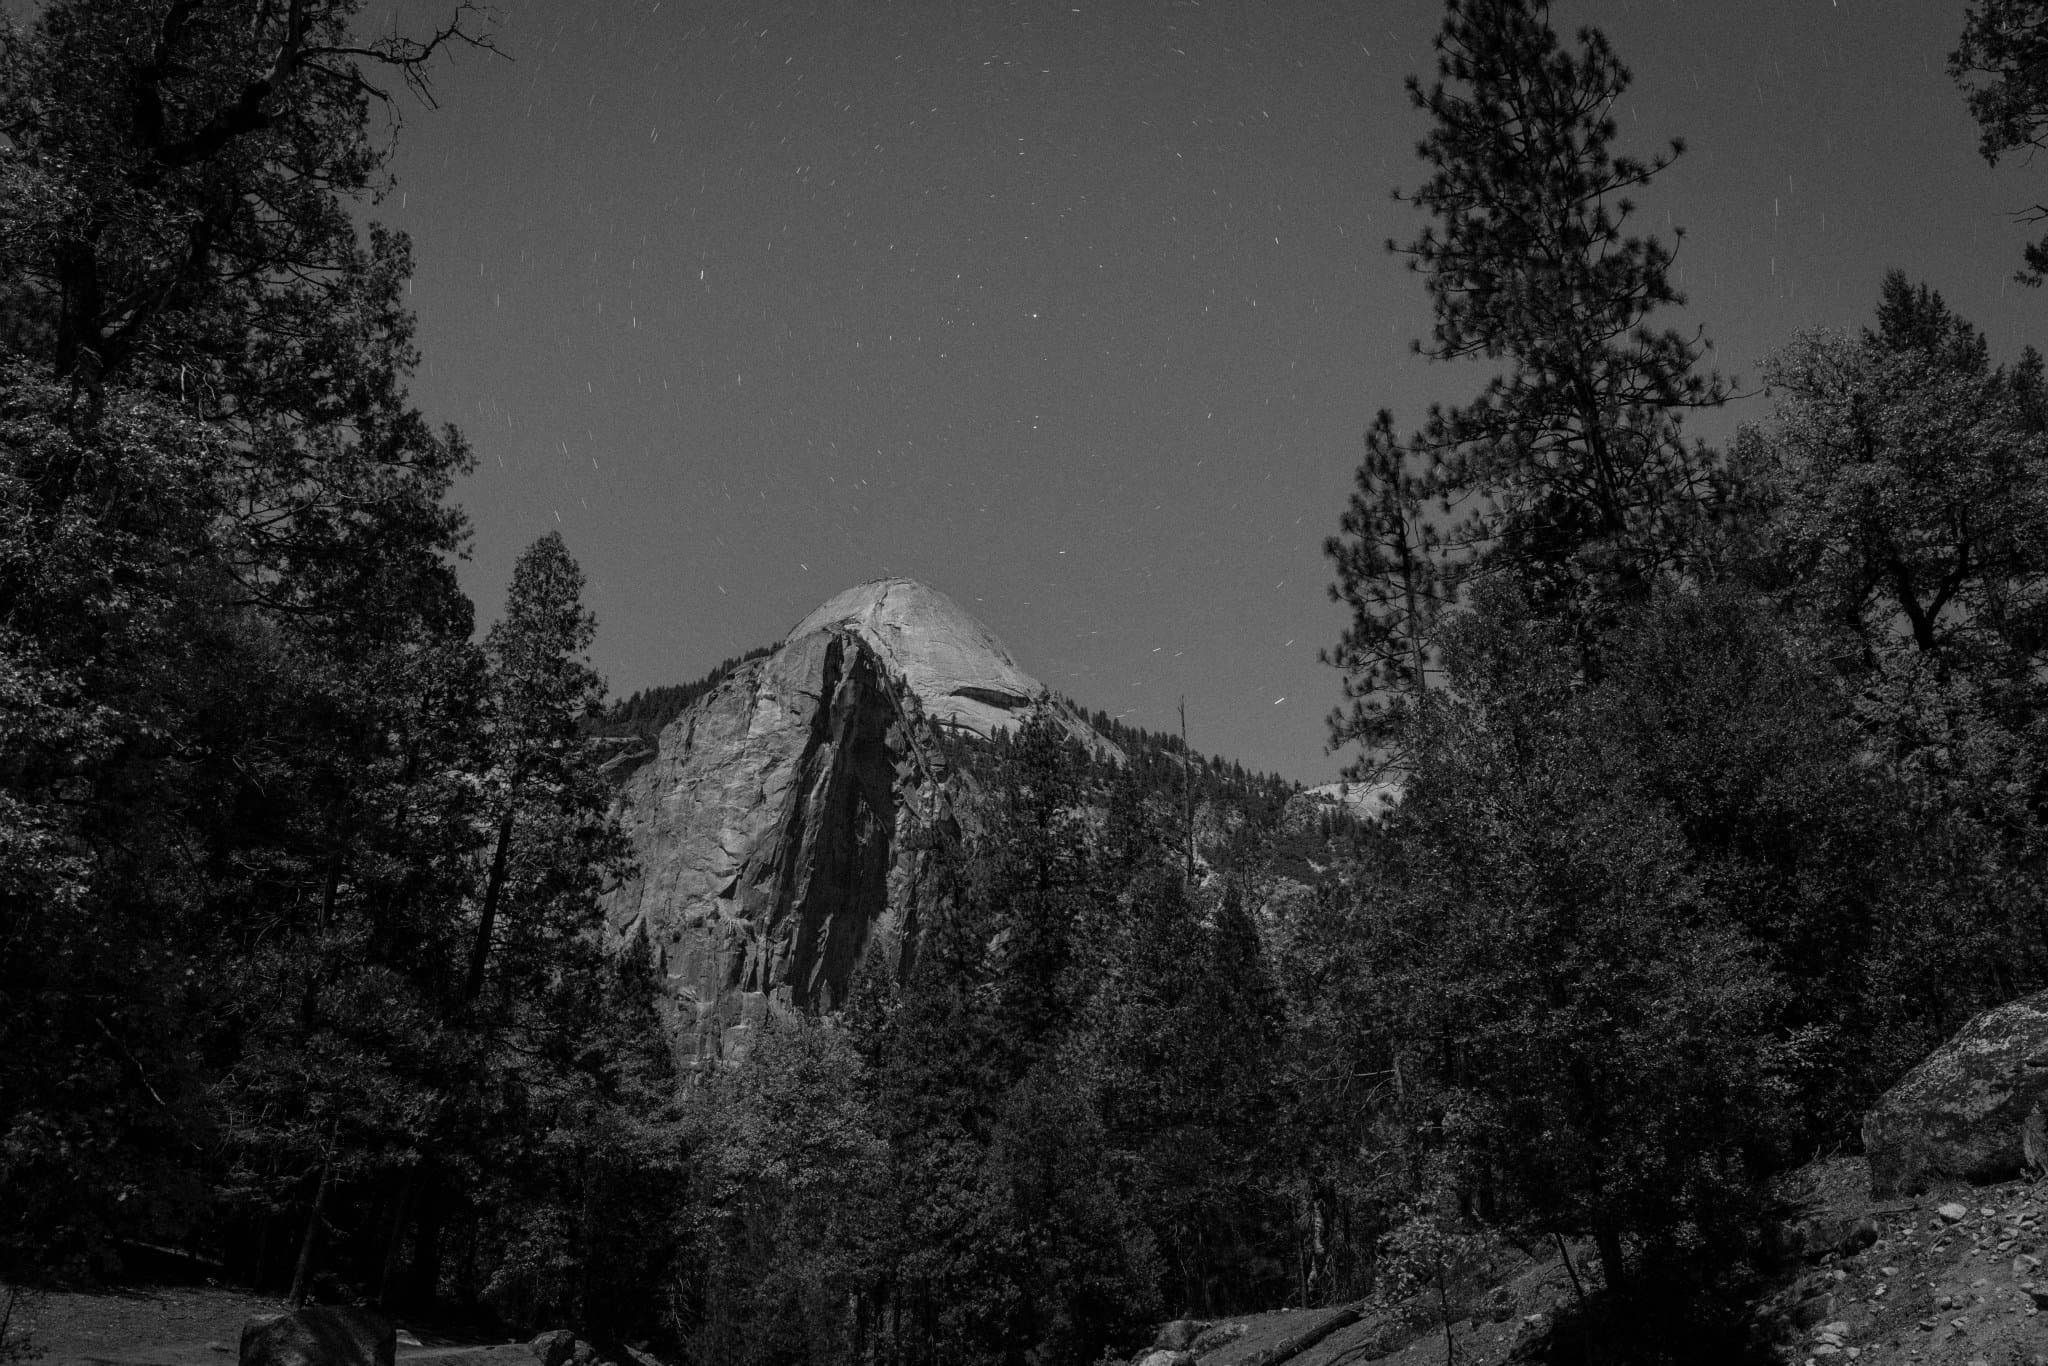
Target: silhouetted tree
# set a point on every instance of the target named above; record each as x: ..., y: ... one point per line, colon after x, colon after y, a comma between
x: 2002, y: 65
x: 542, y: 688
x: 1569, y: 472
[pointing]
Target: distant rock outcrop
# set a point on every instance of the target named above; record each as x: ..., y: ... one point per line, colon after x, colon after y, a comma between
x: 781, y: 826
x: 1964, y: 1113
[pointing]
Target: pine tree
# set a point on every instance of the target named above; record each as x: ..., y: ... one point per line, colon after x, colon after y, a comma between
x: 1390, y: 575
x: 541, y: 773
x: 179, y: 176
x: 1568, y: 472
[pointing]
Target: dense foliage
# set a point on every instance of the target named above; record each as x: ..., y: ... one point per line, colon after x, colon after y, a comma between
x: 1723, y: 798
x: 297, y: 970
x: 2002, y: 65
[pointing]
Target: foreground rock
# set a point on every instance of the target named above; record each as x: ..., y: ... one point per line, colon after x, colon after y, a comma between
x: 780, y: 830
x: 1967, y: 1112
x: 561, y: 1347
x: 320, y: 1335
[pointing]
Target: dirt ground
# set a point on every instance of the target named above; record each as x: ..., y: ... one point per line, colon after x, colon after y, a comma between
x: 192, y: 1326
x: 1954, y: 1277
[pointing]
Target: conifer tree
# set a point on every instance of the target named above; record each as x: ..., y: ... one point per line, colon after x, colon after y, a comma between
x: 1554, y: 964
x: 1391, y: 576
x: 1568, y: 472
x: 542, y: 690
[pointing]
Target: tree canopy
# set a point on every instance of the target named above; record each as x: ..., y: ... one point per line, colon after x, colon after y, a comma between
x: 2001, y: 63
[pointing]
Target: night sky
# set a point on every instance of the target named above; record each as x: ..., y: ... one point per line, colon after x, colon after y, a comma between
x: 1075, y: 311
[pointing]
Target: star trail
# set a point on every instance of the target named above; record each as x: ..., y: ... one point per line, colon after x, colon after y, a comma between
x: 1075, y: 312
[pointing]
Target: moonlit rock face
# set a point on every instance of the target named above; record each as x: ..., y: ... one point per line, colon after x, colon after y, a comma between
x: 960, y: 672
x: 772, y: 837
x: 1970, y: 1111
x: 781, y: 832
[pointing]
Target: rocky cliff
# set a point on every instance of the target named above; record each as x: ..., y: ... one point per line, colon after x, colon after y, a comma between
x: 779, y: 828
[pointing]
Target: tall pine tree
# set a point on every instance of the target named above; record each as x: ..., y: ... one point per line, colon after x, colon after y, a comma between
x: 1568, y: 472
x: 542, y: 689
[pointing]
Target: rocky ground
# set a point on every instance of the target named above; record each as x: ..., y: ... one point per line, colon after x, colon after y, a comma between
x: 1951, y: 1278
x: 1486, y: 1330
x: 195, y: 1326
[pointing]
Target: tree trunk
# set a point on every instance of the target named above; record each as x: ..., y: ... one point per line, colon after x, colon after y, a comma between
x: 494, y: 888
x: 303, y: 1270
x: 1419, y: 658
x: 1565, y: 1255
x: 261, y: 1275
x: 391, y: 1243
x: 78, y: 314
x: 424, y: 1276
x: 1187, y: 790
x: 1612, y: 1269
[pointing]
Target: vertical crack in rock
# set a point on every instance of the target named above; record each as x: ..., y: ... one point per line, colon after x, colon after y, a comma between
x: 829, y: 883
x: 768, y: 831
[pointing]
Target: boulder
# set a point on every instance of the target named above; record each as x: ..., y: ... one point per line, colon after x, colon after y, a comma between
x: 1178, y: 1336
x: 1815, y: 1237
x: 1217, y: 1335
x: 1961, y: 1114
x: 320, y: 1335
x: 554, y: 1347
x: 1167, y: 1359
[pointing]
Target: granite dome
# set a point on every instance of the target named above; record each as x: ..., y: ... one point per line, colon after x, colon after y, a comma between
x: 960, y: 672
